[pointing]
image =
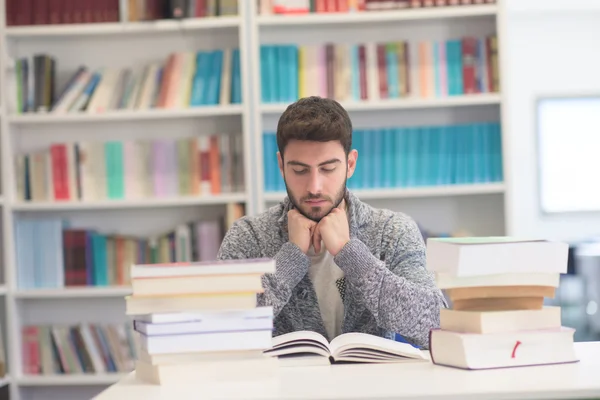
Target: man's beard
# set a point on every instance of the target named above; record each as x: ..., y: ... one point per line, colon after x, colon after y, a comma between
x: 339, y: 197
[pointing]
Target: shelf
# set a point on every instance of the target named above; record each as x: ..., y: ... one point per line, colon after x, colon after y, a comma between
x: 120, y: 28
x: 73, y: 292
x: 69, y: 380
x: 369, y: 17
x: 125, y: 115
x: 399, y: 193
x: 122, y: 204
x: 408, y: 103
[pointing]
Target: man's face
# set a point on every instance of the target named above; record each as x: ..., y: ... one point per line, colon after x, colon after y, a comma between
x: 315, y: 175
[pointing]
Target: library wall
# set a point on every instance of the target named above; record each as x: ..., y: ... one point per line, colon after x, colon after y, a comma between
x: 557, y: 58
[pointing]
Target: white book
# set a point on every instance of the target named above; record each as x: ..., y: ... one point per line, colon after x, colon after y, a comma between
x: 500, y: 350
x: 225, y: 95
x: 207, y: 342
x: 204, y: 326
x: 499, y: 321
x: 208, y: 372
x: 215, y: 267
x: 478, y: 256
x: 169, y: 318
x: 348, y: 347
x: 448, y: 281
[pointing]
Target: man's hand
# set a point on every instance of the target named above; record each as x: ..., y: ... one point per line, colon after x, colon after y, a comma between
x: 300, y: 230
x: 334, y: 230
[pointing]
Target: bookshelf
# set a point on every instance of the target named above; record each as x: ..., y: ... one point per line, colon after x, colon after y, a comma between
x: 443, y: 208
x: 117, y: 44
x: 458, y: 207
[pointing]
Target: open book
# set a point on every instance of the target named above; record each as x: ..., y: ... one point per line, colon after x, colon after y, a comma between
x: 349, y: 347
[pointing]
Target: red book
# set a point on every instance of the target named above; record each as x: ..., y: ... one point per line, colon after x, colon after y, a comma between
x: 31, y: 350
x: 200, y: 8
x: 362, y: 67
x: 469, y: 45
x: 331, y: 5
x: 342, y: 6
x: 41, y: 14
x: 55, y: 10
x: 382, y: 69
x: 58, y: 154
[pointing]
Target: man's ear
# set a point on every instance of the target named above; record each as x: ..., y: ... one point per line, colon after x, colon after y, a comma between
x: 280, y: 163
x: 352, y: 159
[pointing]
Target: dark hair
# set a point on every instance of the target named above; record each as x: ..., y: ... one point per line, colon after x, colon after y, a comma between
x: 315, y: 119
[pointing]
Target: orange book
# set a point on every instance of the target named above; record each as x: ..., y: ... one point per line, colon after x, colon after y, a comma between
x: 424, y: 69
x: 215, y: 165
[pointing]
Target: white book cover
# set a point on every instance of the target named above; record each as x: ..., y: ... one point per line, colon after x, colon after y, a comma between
x: 478, y: 256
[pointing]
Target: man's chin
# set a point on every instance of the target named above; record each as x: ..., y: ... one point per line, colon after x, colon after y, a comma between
x: 315, y: 213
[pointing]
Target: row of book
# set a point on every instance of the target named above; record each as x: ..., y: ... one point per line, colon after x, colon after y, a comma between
x: 371, y: 71
x: 78, y: 349
x: 54, y: 12
x: 183, y: 80
x: 344, y: 6
x: 132, y: 169
x: 66, y: 256
x: 401, y: 157
x: 149, y: 10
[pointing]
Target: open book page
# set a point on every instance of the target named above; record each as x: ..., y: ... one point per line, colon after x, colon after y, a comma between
x: 298, y: 343
x: 363, y: 347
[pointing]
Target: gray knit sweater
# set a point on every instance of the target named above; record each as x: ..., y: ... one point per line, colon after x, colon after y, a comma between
x: 386, y: 288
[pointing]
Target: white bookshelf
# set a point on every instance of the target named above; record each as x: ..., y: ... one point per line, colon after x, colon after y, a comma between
x: 124, y: 28
x: 73, y: 292
x: 69, y: 380
x: 96, y: 45
x: 132, y: 116
x: 405, y: 193
x: 439, y: 208
x: 405, y: 104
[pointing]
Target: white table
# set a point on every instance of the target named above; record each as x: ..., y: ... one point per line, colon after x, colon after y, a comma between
x: 393, y: 381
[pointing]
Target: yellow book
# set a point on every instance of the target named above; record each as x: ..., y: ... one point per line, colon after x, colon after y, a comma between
x: 302, y: 71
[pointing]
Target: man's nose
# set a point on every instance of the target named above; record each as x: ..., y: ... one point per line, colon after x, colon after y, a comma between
x: 315, y: 184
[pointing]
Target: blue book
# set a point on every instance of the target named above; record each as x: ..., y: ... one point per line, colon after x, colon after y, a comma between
x: 269, y: 184
x: 284, y: 73
x: 388, y: 171
x: 202, y: 60
x: 100, y: 259
x: 458, y: 67
x: 265, y: 82
x: 400, y: 157
x: 356, y: 179
x: 392, y: 70
x: 236, y: 78
x: 355, y: 72
x: 498, y: 175
x: 376, y: 136
x: 293, y: 72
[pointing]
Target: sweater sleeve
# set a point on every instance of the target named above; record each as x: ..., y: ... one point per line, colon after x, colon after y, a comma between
x: 399, y: 291
x: 291, y: 264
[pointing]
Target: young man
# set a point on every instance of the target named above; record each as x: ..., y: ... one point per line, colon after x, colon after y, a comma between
x: 341, y: 265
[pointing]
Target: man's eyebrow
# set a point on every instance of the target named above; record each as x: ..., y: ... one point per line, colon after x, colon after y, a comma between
x: 300, y: 164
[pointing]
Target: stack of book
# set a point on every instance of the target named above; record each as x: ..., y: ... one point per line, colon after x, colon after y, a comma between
x: 200, y: 321
x: 497, y: 287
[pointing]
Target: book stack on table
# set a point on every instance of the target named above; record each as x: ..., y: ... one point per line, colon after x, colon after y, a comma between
x: 198, y: 322
x: 497, y: 287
